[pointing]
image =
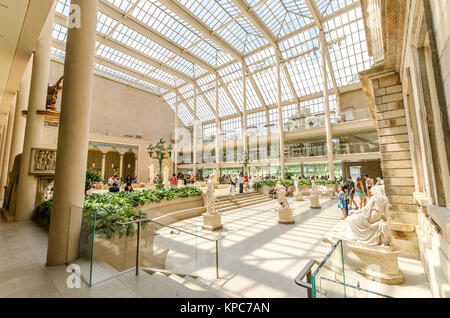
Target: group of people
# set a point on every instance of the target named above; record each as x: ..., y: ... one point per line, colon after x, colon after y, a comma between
x: 241, y: 181
x: 114, y: 183
x: 354, y: 194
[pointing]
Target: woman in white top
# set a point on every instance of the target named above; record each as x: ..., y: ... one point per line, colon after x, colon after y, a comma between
x: 233, y: 189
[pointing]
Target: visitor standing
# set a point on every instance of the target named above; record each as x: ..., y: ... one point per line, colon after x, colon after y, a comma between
x: 241, y: 183
x: 173, y: 181
x: 129, y: 179
x: 233, y: 189
x: 359, y: 191
x: 351, y: 193
x: 341, y: 203
x: 369, y: 185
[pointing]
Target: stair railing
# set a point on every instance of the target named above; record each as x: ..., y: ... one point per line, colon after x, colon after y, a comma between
x: 138, y: 240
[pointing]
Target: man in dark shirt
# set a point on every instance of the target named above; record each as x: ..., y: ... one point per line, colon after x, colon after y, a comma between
x: 351, y: 192
x: 114, y: 188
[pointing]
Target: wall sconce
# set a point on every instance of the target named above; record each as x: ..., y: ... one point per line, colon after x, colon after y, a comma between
x: 93, y: 165
x: 129, y: 166
x: 112, y: 166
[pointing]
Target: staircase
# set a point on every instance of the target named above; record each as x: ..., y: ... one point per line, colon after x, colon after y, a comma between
x: 165, y: 284
x: 224, y: 204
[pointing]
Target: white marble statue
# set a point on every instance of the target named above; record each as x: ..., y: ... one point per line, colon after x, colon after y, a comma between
x: 151, y: 173
x: 371, y: 224
x: 314, y: 189
x: 281, y: 196
x: 380, y: 181
x: 166, y: 181
x: 210, y: 197
x: 296, y: 183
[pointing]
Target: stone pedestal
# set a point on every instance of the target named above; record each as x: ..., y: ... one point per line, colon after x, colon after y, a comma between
x: 285, y: 216
x: 212, y: 222
x: 314, y: 202
x: 298, y: 196
x: 216, y: 185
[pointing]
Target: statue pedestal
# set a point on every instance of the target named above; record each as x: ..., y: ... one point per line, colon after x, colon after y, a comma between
x: 216, y: 185
x: 212, y: 222
x: 298, y: 196
x: 285, y: 216
x: 314, y: 202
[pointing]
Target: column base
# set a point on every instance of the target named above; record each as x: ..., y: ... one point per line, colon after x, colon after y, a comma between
x: 212, y: 222
x: 285, y: 216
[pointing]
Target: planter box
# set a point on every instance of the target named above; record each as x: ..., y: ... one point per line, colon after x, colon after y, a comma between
x: 156, y: 209
x: 120, y: 252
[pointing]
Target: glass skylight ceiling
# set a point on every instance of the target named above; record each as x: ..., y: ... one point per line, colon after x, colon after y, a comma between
x: 165, y: 46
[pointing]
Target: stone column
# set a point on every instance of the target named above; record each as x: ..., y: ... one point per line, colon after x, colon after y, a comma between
x: 218, y: 136
x: 195, y: 134
x: 326, y: 103
x: 5, y: 163
x: 121, y: 166
x: 19, y: 121
x: 280, y: 117
x: 2, y: 146
x: 65, y: 226
x: 26, y: 190
x: 103, y: 165
x: 136, y: 165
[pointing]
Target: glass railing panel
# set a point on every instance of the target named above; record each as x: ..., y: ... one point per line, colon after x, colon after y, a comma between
x: 338, y: 276
x: 363, y: 147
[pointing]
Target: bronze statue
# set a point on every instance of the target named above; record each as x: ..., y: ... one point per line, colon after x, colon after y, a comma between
x: 52, y: 94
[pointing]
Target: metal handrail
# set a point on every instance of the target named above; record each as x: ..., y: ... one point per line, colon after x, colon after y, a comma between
x: 306, y: 271
x: 138, y: 240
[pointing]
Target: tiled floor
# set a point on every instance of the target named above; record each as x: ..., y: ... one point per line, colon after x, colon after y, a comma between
x: 258, y: 258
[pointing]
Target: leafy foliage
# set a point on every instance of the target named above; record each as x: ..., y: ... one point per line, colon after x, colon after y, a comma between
x: 159, y: 152
x: 107, y: 209
x: 259, y: 185
x: 91, y: 178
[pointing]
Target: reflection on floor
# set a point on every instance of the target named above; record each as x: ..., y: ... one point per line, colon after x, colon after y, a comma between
x: 257, y: 256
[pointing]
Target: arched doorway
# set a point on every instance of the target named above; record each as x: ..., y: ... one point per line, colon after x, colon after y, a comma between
x: 129, y: 165
x: 112, y: 164
x: 94, y: 162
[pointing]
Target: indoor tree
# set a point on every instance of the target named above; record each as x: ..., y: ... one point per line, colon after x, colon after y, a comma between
x: 246, y: 161
x: 160, y: 151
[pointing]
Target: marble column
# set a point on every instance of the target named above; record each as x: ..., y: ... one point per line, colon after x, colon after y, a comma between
x: 27, y: 187
x: 121, y: 166
x: 136, y: 167
x: 19, y: 121
x: 73, y: 137
x: 5, y: 163
x: 103, y: 165
x: 280, y: 116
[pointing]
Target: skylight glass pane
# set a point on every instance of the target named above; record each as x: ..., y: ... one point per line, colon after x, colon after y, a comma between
x: 283, y: 17
x: 327, y: 7
x: 348, y: 53
x: 62, y: 6
x: 59, y: 32
x: 105, y: 24
x: 160, y: 19
x: 123, y: 5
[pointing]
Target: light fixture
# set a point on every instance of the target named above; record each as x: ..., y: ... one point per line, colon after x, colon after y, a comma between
x: 93, y: 165
x: 112, y: 166
x: 129, y: 166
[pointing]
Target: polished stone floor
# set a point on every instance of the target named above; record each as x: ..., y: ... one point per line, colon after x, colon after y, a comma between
x: 257, y: 256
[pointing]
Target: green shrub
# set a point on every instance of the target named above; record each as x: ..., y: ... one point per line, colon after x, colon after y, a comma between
x: 110, y: 208
x: 259, y: 185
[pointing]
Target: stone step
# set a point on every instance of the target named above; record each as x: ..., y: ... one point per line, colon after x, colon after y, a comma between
x: 240, y: 201
x: 245, y: 204
x: 404, y: 217
x: 238, y: 195
x: 402, y: 227
x: 407, y: 248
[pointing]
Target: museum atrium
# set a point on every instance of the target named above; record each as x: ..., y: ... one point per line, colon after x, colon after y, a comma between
x: 215, y: 148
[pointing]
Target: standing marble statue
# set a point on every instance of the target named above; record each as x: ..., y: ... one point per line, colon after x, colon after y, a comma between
x: 212, y: 220
x: 210, y: 197
x: 151, y: 173
x: 297, y: 195
x: 166, y: 181
x: 371, y: 224
x: 314, y: 196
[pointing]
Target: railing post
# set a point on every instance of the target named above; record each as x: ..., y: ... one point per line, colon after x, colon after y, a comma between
x: 308, y: 280
x: 217, y: 259
x: 138, y: 247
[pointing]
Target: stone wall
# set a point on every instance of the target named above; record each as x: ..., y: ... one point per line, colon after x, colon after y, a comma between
x: 396, y: 160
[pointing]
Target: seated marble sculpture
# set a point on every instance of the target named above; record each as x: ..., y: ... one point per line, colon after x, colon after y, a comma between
x: 314, y: 189
x: 281, y: 195
x: 370, y: 225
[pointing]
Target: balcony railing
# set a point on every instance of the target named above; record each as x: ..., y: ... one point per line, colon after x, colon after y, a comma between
x: 351, y: 148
